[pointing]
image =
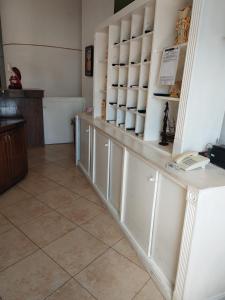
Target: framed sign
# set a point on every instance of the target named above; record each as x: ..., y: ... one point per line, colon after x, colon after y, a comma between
x: 89, y: 57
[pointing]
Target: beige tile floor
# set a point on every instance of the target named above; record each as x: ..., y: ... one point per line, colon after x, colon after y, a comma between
x: 58, y: 242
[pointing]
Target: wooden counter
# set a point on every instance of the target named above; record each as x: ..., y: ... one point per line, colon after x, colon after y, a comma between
x: 13, y: 152
x: 28, y: 105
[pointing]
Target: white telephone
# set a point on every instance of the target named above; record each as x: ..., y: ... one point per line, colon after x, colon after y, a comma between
x: 190, y: 161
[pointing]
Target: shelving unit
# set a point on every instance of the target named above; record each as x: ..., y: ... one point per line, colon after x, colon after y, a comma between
x: 132, y: 42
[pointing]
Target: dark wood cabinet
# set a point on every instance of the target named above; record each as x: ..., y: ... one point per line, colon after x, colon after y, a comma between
x: 28, y: 105
x: 13, y: 155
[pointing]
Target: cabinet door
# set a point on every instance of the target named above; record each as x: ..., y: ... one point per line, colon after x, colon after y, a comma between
x: 168, y: 226
x: 139, y: 200
x: 4, y: 162
x: 85, y: 145
x: 101, y: 163
x: 18, y: 153
x: 115, y: 175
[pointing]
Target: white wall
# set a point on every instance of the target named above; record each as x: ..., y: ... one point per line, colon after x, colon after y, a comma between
x: 93, y: 13
x: 54, y: 23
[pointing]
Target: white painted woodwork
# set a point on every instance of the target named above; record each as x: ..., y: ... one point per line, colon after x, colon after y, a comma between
x: 85, y: 145
x: 115, y: 175
x: 139, y: 200
x: 174, y: 219
x: 175, y: 235
x: 101, y: 162
x: 197, y: 69
x: 168, y: 226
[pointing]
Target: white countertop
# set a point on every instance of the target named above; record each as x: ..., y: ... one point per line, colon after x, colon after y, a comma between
x: 211, y: 177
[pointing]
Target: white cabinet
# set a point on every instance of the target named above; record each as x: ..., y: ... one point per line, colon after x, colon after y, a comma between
x: 101, y: 162
x: 141, y: 182
x: 168, y: 225
x: 85, y: 146
x: 115, y: 175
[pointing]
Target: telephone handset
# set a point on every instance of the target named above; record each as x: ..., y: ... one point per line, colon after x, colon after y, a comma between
x: 190, y: 161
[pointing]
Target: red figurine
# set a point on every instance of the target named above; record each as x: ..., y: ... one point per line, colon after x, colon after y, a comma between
x: 15, y: 79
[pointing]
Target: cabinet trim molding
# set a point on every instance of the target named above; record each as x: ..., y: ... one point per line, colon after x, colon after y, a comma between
x: 189, y: 223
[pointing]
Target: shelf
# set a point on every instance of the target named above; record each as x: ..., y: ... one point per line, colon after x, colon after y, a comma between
x: 102, y: 61
x: 167, y: 98
x: 123, y: 108
x: 133, y: 88
x: 136, y: 64
x: 134, y: 39
x: 166, y: 149
x: 143, y: 115
x: 146, y: 62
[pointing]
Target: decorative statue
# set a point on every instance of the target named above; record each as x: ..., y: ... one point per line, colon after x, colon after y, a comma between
x: 15, y: 78
x: 164, y: 141
x: 183, y: 25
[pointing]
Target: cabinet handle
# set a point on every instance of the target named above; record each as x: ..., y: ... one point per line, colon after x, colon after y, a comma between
x: 106, y: 145
x: 151, y: 179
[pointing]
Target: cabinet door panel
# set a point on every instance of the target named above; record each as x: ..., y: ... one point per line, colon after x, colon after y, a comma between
x: 116, y: 173
x: 139, y: 199
x: 4, y: 162
x: 19, y: 163
x: 101, y: 162
x: 168, y: 226
x: 84, y: 145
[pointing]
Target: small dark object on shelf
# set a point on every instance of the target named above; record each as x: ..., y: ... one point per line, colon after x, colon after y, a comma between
x: 147, y: 30
x: 112, y: 103
x: 123, y: 85
x: 114, y: 85
x: 124, y: 41
x: 164, y: 141
x: 122, y: 64
x: 116, y: 44
x: 132, y: 62
x: 161, y: 94
x: 145, y: 60
x: 122, y: 105
x: 142, y: 111
x: 133, y: 37
x: 217, y: 155
x: 145, y: 86
x: 114, y: 65
x: 130, y: 129
x: 132, y: 107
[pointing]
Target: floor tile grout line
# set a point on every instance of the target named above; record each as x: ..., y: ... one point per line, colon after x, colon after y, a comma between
x: 61, y: 286
x: 138, y: 292
x: 84, y: 288
x: 97, y: 257
x: 18, y: 261
x: 39, y: 248
x: 80, y: 226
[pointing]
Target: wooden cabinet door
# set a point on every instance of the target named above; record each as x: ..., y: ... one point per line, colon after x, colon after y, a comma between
x: 101, y: 163
x: 168, y: 226
x: 85, y: 145
x: 139, y: 200
x: 115, y: 175
x: 5, y: 176
x: 18, y: 153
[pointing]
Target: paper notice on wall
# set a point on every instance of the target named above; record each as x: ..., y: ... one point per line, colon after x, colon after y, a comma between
x: 169, y: 64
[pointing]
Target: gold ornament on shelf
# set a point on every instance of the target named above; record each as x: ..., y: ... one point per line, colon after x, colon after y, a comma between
x: 175, y: 90
x: 183, y: 25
